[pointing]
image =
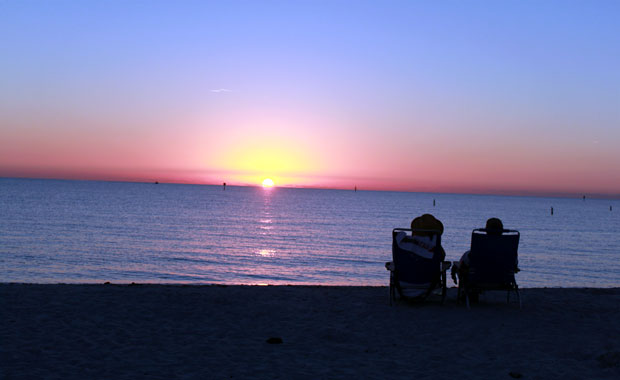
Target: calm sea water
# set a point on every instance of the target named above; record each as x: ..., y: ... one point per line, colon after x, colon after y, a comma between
x: 89, y: 232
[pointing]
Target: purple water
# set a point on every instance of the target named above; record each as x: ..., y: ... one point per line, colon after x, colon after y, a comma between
x: 89, y: 232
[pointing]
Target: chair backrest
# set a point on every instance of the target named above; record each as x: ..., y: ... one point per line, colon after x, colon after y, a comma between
x: 413, y: 268
x: 493, y: 258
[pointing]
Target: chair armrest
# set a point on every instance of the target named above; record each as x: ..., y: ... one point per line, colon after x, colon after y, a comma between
x: 390, y: 266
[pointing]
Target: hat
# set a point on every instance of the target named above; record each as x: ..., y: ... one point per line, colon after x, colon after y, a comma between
x: 427, y: 222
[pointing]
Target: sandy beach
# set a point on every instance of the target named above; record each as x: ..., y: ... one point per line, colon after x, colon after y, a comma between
x: 222, y: 332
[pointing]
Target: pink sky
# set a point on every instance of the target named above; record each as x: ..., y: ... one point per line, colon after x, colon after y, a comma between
x: 496, y: 98
x: 305, y: 156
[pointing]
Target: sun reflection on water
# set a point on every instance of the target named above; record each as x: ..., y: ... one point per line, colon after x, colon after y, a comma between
x: 266, y: 252
x: 265, y: 222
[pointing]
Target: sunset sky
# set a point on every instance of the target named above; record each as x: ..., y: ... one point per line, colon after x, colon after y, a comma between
x: 518, y: 97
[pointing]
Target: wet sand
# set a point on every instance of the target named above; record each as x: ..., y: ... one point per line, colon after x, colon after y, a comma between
x: 223, y: 332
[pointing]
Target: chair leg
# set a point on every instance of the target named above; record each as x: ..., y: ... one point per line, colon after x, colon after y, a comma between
x: 443, y: 294
x: 518, y: 296
x: 391, y: 289
x: 465, y: 292
x: 443, y: 288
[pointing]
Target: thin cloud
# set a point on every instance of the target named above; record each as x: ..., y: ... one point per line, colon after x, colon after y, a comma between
x: 221, y: 90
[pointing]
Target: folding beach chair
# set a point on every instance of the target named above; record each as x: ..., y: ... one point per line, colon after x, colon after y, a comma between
x: 417, y: 268
x: 493, y: 263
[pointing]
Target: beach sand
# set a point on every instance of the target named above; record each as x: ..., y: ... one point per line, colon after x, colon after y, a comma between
x: 222, y: 332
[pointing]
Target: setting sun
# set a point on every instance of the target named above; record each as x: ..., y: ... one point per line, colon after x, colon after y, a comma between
x: 267, y: 182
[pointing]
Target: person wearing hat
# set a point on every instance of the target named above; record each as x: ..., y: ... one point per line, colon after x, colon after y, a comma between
x: 430, y: 223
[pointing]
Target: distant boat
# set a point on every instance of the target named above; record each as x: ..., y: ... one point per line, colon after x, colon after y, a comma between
x: 156, y: 182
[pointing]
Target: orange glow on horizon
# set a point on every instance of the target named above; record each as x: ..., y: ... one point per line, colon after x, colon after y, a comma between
x: 264, y: 146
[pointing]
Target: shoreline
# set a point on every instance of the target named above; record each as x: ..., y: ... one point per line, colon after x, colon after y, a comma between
x: 224, y: 331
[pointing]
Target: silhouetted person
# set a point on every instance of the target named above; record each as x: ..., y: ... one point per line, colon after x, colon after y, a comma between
x: 494, y: 226
x: 224, y: 186
x: 428, y: 222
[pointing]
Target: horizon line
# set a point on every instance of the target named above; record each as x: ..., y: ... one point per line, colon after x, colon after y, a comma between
x: 509, y: 193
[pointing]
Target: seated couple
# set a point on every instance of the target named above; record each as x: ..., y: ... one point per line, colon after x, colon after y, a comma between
x: 428, y: 241
x: 476, y: 271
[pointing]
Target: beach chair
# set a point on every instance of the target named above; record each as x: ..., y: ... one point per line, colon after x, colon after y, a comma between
x: 416, y: 270
x: 493, y: 263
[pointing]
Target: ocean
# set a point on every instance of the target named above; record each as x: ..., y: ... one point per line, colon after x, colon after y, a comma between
x: 60, y: 231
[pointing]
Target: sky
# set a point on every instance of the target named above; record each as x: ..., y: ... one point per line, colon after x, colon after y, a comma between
x: 505, y: 97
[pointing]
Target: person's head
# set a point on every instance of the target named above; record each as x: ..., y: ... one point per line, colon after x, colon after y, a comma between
x: 426, y: 222
x: 494, y: 226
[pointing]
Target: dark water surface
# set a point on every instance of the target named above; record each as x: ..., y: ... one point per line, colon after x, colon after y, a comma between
x: 86, y: 231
